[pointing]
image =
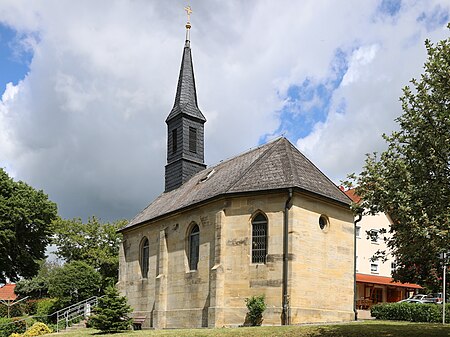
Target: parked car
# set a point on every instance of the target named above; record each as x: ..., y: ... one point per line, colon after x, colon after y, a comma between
x: 414, y: 299
x: 421, y: 298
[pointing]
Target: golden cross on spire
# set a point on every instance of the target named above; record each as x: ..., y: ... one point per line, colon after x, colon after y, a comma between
x: 188, y: 12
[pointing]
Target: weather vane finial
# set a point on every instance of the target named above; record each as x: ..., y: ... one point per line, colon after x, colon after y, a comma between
x: 188, y: 23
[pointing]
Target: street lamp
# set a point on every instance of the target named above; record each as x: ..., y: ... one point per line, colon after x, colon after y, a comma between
x: 444, y: 257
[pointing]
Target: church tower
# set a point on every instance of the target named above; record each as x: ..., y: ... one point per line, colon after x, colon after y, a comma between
x: 185, y: 125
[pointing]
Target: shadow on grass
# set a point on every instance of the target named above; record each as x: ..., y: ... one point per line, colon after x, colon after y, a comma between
x: 384, y: 330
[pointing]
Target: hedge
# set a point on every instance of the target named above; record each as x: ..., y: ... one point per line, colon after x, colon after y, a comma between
x: 11, y: 325
x: 412, y: 312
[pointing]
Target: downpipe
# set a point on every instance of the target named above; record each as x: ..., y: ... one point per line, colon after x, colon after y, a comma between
x: 285, y: 314
x: 354, y: 266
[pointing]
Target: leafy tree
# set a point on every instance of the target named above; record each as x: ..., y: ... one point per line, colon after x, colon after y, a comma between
x: 73, y: 282
x: 111, y: 313
x: 37, y: 287
x: 93, y: 242
x: 410, y: 181
x: 25, y: 219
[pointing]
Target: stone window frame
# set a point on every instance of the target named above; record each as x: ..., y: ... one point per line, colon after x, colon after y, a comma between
x: 324, y: 223
x: 193, y: 252
x: 144, y: 256
x: 258, y: 258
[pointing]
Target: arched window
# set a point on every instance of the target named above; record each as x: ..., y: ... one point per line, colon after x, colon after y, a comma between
x: 194, y: 247
x: 145, y: 253
x: 259, y: 239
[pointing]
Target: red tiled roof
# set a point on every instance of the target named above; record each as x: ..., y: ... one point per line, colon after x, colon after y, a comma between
x: 374, y: 279
x: 352, y: 195
x: 7, y: 292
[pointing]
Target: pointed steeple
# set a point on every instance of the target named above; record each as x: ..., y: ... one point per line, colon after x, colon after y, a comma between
x: 185, y: 125
x: 186, y: 96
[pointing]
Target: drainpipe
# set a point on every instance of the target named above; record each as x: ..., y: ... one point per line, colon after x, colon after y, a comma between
x: 285, y: 314
x: 359, y: 215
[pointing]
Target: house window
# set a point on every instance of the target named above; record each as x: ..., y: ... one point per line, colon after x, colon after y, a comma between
x: 174, y: 141
x: 373, y: 235
x: 145, y: 249
x: 374, y: 268
x: 393, y: 267
x: 194, y: 247
x: 358, y: 231
x: 192, y: 139
x: 259, y: 239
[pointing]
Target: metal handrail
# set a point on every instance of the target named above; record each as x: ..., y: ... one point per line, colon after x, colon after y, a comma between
x: 80, y: 309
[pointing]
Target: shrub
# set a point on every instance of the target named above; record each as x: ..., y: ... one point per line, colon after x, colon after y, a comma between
x: 14, y: 311
x: 256, y: 306
x: 412, y: 312
x: 11, y: 325
x: 37, y: 329
x: 111, y: 313
x: 44, y: 308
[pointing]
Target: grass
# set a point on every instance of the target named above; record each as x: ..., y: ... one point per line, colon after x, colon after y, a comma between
x: 354, y: 329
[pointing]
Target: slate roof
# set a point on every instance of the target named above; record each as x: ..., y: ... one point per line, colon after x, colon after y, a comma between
x: 186, y: 96
x: 272, y: 166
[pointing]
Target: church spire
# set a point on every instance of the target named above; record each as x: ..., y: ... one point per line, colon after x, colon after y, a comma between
x: 185, y: 125
x: 186, y: 96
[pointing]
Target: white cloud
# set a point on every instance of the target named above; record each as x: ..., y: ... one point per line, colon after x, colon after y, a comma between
x: 359, y: 61
x: 87, y: 122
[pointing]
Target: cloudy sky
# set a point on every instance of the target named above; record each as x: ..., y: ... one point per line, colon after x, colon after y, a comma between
x: 85, y: 86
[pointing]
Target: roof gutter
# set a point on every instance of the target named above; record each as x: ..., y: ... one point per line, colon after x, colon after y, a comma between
x: 230, y: 195
x: 285, y: 314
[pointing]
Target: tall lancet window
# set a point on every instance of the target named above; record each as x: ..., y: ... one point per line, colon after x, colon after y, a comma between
x: 145, y: 254
x: 259, y: 239
x: 194, y: 247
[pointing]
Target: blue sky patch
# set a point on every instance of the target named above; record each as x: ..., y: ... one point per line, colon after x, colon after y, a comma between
x: 14, y: 59
x: 308, y: 103
x: 435, y: 18
x: 390, y: 7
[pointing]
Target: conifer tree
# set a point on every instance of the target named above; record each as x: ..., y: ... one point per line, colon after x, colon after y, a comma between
x: 111, y: 313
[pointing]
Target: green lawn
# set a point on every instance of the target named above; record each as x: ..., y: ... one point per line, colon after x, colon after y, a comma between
x: 354, y: 329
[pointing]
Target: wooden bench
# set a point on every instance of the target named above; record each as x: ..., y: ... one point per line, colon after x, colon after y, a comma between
x: 138, y: 321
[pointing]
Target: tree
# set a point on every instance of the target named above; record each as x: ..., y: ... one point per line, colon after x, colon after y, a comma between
x: 25, y: 219
x: 111, y: 313
x: 410, y: 181
x: 73, y: 282
x: 93, y: 242
x: 37, y: 287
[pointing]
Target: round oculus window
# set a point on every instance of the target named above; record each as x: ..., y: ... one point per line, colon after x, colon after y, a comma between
x: 323, y: 222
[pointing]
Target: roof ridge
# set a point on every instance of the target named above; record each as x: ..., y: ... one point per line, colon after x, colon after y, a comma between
x: 256, y: 161
x: 292, y: 166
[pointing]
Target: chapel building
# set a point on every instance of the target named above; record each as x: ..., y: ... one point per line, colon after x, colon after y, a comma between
x: 266, y: 222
